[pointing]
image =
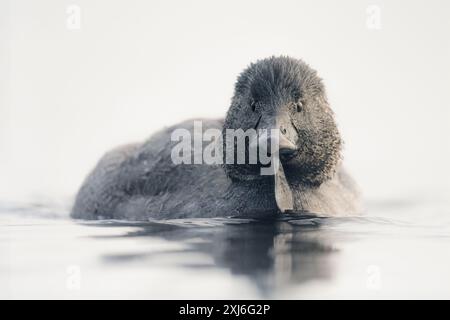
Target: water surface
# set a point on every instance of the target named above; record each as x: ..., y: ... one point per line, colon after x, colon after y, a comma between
x: 399, y: 249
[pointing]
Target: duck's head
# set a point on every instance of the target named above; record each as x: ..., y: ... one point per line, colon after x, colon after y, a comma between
x: 285, y: 94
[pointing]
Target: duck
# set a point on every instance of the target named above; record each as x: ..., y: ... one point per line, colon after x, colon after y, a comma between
x: 283, y: 101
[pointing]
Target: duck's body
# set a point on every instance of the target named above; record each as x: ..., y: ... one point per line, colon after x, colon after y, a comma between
x: 281, y: 96
x: 140, y: 182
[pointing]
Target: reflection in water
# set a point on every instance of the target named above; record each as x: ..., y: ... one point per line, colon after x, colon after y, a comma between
x: 272, y: 253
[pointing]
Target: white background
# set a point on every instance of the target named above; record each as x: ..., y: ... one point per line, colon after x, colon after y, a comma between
x: 67, y: 96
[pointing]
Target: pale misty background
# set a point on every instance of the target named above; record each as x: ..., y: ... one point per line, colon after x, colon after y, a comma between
x: 67, y: 96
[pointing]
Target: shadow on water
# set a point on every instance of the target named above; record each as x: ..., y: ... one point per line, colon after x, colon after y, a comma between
x: 272, y: 253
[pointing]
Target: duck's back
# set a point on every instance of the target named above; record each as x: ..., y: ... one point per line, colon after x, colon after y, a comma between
x: 138, y: 180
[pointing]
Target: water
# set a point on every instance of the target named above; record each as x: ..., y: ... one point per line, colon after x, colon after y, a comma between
x: 399, y: 249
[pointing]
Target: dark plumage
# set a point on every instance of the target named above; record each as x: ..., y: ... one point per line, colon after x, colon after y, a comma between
x: 140, y: 181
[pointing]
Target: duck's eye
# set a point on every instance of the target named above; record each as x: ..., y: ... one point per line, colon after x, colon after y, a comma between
x: 299, y: 106
x: 253, y: 105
